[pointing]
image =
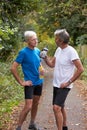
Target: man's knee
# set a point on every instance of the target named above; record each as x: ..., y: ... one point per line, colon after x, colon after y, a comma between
x: 28, y: 107
x: 56, y: 108
x: 36, y: 100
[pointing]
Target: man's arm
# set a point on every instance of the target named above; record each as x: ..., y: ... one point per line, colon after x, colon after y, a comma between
x: 50, y: 62
x: 17, y: 77
x: 79, y: 70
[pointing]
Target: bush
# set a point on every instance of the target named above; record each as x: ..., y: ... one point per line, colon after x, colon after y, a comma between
x: 81, y: 40
x: 11, y: 93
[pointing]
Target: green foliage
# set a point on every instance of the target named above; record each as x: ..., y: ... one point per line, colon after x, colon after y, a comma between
x: 14, y: 9
x: 46, y: 41
x: 69, y: 14
x: 55, y: 14
x: 18, y: 15
x: 84, y: 74
x: 83, y: 56
x: 73, y: 25
x: 8, y: 38
x: 11, y: 27
x: 6, y: 33
x: 81, y: 39
x: 11, y: 93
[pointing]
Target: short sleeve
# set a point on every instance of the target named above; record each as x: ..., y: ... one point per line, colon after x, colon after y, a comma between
x: 74, y: 55
x: 20, y: 57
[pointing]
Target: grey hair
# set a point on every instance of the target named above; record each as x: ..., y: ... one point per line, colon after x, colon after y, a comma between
x: 28, y: 34
x: 62, y: 34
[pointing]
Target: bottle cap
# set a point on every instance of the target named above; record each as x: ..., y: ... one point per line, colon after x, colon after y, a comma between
x: 45, y: 48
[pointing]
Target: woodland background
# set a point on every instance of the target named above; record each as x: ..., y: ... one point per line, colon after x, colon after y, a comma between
x: 44, y: 17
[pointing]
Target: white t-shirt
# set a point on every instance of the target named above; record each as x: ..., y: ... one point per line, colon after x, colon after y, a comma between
x: 64, y: 67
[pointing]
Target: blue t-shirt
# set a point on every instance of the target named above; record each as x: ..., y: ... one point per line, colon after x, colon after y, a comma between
x: 30, y: 62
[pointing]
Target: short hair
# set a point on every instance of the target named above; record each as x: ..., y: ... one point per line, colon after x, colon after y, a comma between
x: 62, y: 34
x: 28, y: 34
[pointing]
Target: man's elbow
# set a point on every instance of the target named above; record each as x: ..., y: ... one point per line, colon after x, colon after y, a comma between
x: 52, y: 65
x: 12, y: 69
x: 81, y: 70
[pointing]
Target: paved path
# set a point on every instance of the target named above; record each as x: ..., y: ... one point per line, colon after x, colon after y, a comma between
x: 74, y: 107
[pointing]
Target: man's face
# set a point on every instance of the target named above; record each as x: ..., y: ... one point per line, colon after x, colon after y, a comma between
x: 57, y: 40
x: 33, y: 41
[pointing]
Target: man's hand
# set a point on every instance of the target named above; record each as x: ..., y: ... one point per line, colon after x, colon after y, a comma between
x: 43, y: 54
x: 64, y: 85
x: 27, y: 83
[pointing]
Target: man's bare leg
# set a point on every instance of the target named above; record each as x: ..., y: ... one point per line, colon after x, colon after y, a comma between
x: 34, y: 108
x: 24, y: 112
x: 64, y: 119
x: 58, y: 116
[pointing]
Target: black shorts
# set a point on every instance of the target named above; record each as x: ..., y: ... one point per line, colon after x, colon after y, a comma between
x: 29, y: 91
x: 59, y: 96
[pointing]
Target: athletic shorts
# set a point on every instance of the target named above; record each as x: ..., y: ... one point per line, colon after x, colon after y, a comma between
x: 59, y: 96
x: 30, y: 91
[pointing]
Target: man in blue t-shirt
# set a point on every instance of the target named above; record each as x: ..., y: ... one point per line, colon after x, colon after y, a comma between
x: 29, y: 59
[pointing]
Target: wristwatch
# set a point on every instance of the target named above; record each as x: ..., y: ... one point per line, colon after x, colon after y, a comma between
x: 70, y: 81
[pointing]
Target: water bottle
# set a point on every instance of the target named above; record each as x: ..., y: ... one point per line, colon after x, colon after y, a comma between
x: 44, y: 52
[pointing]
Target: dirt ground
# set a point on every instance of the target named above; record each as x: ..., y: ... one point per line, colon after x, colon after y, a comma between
x: 76, y: 107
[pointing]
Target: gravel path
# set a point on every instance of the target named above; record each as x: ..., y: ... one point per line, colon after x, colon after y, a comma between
x: 74, y: 106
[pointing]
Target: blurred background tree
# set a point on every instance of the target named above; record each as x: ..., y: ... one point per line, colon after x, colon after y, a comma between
x: 43, y: 16
x: 11, y: 25
x: 71, y: 14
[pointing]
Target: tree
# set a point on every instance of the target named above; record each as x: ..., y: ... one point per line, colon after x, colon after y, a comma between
x: 64, y: 14
x: 11, y: 14
x: 14, y: 9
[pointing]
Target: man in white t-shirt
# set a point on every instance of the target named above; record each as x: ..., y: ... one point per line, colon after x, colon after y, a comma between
x: 67, y: 68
